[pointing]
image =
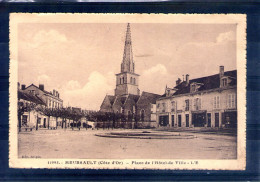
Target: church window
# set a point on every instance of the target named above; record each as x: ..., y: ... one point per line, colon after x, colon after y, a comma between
x: 129, y: 116
x: 142, y: 115
x: 123, y: 80
x: 131, y: 80
x: 134, y: 80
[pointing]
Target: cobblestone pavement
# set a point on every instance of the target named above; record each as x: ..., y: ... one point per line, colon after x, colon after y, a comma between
x: 81, y: 144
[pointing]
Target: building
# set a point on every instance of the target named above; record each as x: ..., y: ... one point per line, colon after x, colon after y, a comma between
x: 209, y: 101
x: 127, y: 99
x: 51, y: 99
x: 27, y: 110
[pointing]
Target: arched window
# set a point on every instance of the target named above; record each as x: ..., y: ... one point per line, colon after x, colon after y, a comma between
x: 123, y: 80
x: 129, y: 115
x: 120, y: 81
x: 134, y: 80
x: 131, y: 80
x: 142, y: 115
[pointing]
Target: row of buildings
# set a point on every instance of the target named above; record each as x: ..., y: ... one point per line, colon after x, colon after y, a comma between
x: 30, y: 99
x: 208, y: 101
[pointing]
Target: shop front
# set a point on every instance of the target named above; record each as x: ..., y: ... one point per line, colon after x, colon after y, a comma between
x: 199, y: 118
x: 230, y: 119
x: 164, y: 120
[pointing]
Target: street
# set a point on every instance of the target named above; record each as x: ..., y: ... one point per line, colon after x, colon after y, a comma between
x: 84, y: 144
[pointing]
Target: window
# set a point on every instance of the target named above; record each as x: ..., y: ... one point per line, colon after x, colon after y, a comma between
x: 168, y: 92
x: 134, y: 80
x: 142, y: 115
x: 120, y: 80
x: 131, y: 80
x: 193, y: 88
x: 123, y: 80
x: 216, y: 102
x: 231, y: 101
x: 197, y: 104
x: 163, y: 107
x: 224, y: 82
x: 173, y: 106
x: 187, y: 105
x: 129, y: 115
x: 32, y: 92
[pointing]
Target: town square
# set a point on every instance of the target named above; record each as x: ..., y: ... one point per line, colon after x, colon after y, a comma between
x: 127, y: 91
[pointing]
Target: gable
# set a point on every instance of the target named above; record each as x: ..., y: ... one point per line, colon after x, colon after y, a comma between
x: 106, y: 104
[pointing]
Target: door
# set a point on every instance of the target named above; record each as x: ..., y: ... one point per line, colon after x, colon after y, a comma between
x: 209, y: 119
x: 44, y: 122
x: 187, y: 120
x: 172, y: 120
x: 216, y: 119
x: 179, y: 120
x: 164, y: 120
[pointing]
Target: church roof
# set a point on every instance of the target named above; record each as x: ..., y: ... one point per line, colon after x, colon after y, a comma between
x: 150, y: 97
x: 111, y: 99
x: 128, y: 62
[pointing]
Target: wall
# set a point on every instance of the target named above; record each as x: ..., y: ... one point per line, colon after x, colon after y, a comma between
x: 207, y: 104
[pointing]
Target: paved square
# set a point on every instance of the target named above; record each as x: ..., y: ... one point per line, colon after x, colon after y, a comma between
x: 84, y: 144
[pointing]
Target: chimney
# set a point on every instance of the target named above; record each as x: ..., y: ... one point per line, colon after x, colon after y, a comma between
x: 221, y: 71
x: 178, y: 81
x: 187, y: 78
x: 41, y: 87
x: 23, y: 87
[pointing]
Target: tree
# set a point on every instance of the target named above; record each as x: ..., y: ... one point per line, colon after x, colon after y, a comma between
x: 22, y: 108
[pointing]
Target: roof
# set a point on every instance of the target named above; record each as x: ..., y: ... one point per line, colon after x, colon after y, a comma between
x: 29, y: 97
x: 111, y: 99
x: 207, y: 83
x: 151, y: 97
x: 46, y: 92
x: 134, y: 97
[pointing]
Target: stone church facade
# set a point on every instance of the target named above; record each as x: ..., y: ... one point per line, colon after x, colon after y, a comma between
x: 127, y: 99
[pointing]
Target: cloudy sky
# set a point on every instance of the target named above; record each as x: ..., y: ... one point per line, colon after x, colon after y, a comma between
x: 80, y: 60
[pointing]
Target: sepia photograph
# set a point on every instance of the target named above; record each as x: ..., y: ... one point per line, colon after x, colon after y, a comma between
x: 112, y: 91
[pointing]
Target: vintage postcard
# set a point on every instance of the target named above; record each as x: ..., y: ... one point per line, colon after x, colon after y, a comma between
x: 128, y: 91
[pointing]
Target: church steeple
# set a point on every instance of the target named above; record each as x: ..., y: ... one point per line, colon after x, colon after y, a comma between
x: 127, y: 79
x: 127, y: 64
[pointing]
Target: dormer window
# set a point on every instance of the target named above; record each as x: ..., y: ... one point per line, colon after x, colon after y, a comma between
x: 193, y: 88
x: 224, y: 82
x: 168, y: 92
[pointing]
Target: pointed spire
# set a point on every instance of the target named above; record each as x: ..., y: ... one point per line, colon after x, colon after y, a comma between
x: 128, y: 62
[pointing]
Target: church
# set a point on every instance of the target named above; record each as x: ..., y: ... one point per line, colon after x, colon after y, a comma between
x: 127, y: 99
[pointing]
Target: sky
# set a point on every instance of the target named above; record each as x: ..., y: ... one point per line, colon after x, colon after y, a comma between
x: 80, y: 60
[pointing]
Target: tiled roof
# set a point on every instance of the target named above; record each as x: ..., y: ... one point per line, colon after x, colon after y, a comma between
x: 134, y: 97
x: 150, y: 97
x: 29, y: 97
x: 207, y: 83
x: 111, y: 99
